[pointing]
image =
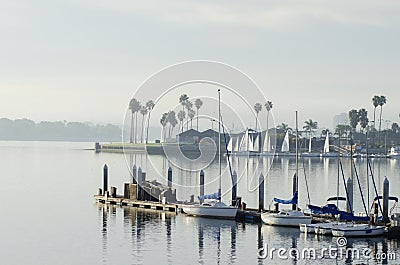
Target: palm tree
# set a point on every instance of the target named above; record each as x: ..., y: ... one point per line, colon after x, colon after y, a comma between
x: 325, y: 132
x: 381, y: 102
x: 134, y: 107
x: 257, y: 109
x: 143, y: 111
x: 181, y: 117
x: 375, y: 103
x: 191, y: 114
x: 182, y: 100
x: 342, y: 129
x: 198, y: 103
x: 310, y: 125
x: 164, y: 122
x: 284, y: 127
x: 363, y: 118
x: 188, y: 106
x: 268, y: 107
x: 395, y: 127
x: 354, y: 118
x: 172, y: 121
x: 150, y: 106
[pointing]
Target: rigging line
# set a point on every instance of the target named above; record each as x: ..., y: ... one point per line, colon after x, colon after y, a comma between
x: 376, y: 190
x: 305, y: 177
x: 226, y: 146
x: 345, y: 188
x: 359, y: 186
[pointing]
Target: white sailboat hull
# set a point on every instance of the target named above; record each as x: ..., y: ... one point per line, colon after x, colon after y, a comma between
x: 228, y: 212
x: 291, y: 218
x: 358, y: 231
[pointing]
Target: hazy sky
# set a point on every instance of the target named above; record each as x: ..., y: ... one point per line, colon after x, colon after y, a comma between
x: 82, y: 60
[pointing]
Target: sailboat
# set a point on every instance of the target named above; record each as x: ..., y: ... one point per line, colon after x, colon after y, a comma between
x: 267, y: 149
x: 213, y: 207
x: 293, y: 217
x: 310, y: 153
x: 256, y: 145
x: 236, y: 149
x: 285, y: 146
x: 326, y: 152
x: 246, y: 146
x: 230, y: 145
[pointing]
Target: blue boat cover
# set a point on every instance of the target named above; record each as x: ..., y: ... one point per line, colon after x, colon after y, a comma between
x: 214, y: 196
x: 293, y: 200
x: 345, y: 216
x: 327, y: 209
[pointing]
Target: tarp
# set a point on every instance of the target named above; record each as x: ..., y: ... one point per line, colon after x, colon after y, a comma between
x: 293, y: 200
x: 327, y: 209
x: 345, y: 216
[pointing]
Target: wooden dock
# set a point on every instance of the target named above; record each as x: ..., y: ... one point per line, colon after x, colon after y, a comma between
x: 119, y: 200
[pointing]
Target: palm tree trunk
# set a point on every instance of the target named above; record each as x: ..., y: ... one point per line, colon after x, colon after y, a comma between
x: 256, y: 122
x: 141, y: 133
x: 379, y: 133
x: 147, y: 128
x: 136, y: 128
x: 374, y: 118
x: 197, y: 119
x: 131, y: 136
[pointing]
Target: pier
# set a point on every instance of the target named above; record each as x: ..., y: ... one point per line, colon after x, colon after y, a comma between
x: 144, y: 194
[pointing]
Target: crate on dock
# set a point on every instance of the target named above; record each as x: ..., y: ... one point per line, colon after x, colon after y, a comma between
x: 132, y: 191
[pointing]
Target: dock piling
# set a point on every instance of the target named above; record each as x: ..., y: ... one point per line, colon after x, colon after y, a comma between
x: 349, y: 188
x: 170, y: 177
x: 294, y: 188
x: 134, y: 179
x: 234, y: 188
x: 201, y: 184
x: 105, y: 179
x: 139, y: 183
x: 386, y: 201
x: 261, y: 193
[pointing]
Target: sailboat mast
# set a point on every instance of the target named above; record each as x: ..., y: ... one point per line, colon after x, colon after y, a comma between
x: 219, y: 143
x: 338, y: 174
x: 297, y: 151
x: 296, y: 177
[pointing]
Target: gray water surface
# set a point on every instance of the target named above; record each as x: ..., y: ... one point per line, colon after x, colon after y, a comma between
x: 49, y: 215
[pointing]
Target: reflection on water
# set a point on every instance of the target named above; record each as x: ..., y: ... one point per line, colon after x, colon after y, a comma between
x: 63, y: 226
x: 167, y: 238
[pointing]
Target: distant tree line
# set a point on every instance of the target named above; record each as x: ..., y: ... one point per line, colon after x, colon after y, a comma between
x: 28, y: 130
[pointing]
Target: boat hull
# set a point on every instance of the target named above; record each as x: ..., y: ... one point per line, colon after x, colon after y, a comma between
x: 359, y: 231
x: 209, y: 211
x: 279, y: 219
x: 308, y: 228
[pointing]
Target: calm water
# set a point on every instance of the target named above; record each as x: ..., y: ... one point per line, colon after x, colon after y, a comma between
x: 49, y: 215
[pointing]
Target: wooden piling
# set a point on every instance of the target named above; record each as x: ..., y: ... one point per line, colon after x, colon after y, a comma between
x: 294, y: 189
x: 201, y: 184
x: 349, y: 187
x: 134, y: 176
x: 170, y: 177
x: 113, y: 192
x: 139, y: 183
x: 386, y: 201
x: 261, y: 193
x: 105, y: 179
x: 234, y: 188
